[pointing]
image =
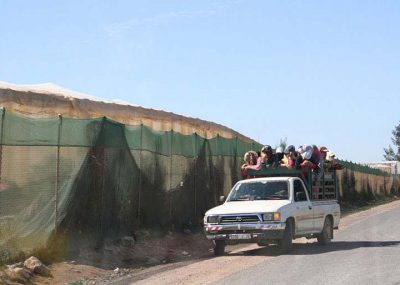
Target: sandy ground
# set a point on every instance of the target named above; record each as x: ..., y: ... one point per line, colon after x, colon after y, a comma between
x: 176, y: 258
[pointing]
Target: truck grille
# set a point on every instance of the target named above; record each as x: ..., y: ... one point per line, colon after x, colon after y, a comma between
x: 239, y: 219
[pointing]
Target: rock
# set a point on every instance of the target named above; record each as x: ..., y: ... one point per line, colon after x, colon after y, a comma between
x: 15, y: 265
x: 153, y: 261
x: 128, y: 241
x: 23, y: 272
x: 185, y: 253
x: 36, y: 266
x: 20, y: 275
x: 116, y: 270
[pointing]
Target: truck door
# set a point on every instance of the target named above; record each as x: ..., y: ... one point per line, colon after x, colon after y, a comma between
x: 319, y: 216
x: 304, y: 218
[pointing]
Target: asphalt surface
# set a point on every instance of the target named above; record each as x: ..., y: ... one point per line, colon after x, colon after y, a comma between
x: 366, y: 251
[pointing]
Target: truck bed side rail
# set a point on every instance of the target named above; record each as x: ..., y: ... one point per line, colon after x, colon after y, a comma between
x: 319, y: 188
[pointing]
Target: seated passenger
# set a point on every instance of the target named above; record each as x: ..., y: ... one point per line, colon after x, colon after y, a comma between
x: 278, y: 157
x: 312, y: 159
x: 330, y: 161
x: 290, y: 155
x: 306, y: 151
x: 267, y: 159
x: 317, y: 159
x: 250, y: 158
x: 324, y: 151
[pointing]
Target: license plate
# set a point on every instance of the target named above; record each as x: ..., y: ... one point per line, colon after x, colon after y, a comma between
x: 240, y: 236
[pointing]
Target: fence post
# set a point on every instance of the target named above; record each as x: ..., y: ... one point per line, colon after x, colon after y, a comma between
x: 236, y: 146
x: 140, y: 173
x: 236, y: 161
x: 3, y: 112
x: 217, y: 148
x: 57, y: 171
x: 170, y: 157
x: 195, y: 172
x: 170, y: 173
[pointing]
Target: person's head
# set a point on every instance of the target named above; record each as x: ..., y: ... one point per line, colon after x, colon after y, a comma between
x: 323, y: 150
x: 266, y: 150
x: 305, y: 151
x: 253, y: 157
x: 279, y: 153
x: 246, y: 157
x: 290, y: 151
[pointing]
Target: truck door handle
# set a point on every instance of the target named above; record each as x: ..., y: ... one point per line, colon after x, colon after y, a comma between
x: 309, y: 207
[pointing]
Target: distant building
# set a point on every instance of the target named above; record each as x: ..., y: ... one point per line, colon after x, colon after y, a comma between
x: 392, y: 167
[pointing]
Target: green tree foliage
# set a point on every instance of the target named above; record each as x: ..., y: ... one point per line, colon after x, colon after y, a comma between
x: 390, y: 152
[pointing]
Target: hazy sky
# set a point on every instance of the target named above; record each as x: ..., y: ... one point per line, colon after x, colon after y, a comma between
x: 318, y: 72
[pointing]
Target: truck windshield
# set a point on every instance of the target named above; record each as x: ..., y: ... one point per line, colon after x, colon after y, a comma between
x: 260, y: 190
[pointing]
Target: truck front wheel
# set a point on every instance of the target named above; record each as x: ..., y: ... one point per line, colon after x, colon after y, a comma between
x: 219, y: 247
x: 285, y: 244
x: 326, y: 235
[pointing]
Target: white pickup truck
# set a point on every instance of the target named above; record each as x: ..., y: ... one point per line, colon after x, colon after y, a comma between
x: 274, y: 210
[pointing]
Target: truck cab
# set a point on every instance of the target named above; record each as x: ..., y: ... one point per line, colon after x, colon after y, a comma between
x: 272, y: 209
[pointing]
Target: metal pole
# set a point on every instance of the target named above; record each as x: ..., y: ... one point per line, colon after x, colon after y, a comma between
x: 57, y: 171
x: 195, y: 174
x: 170, y: 173
x: 217, y: 148
x: 3, y: 112
x: 102, y: 168
x: 170, y: 160
x: 236, y: 159
x: 140, y: 172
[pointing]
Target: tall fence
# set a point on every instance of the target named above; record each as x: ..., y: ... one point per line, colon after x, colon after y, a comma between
x: 93, y: 178
x: 87, y: 179
x: 359, y: 184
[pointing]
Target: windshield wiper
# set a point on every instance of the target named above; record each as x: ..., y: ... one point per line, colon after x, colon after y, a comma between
x: 240, y: 199
x: 273, y: 197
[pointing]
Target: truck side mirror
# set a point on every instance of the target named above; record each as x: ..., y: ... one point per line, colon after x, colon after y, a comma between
x: 222, y: 199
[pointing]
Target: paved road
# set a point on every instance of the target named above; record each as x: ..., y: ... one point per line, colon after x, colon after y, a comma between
x: 367, y: 251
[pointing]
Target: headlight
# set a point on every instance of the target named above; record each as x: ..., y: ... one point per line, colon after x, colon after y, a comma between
x: 276, y: 216
x: 212, y: 219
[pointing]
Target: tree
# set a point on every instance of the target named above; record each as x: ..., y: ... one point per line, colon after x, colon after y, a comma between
x: 390, y: 153
x: 282, y: 143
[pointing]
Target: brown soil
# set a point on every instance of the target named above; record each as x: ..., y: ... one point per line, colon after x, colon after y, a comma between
x: 115, y: 259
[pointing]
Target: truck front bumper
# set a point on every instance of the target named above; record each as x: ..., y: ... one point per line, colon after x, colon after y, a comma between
x: 241, y: 232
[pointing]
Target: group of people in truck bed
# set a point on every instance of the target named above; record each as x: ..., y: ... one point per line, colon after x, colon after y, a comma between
x: 306, y: 157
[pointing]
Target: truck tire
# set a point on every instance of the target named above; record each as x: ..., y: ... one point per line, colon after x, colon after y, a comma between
x: 219, y: 247
x: 327, y: 232
x: 285, y: 244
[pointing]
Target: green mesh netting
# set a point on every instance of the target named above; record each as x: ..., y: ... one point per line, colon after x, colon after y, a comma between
x: 363, y: 168
x: 75, y: 180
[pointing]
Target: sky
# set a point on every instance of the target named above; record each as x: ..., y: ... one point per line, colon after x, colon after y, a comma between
x: 310, y: 72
